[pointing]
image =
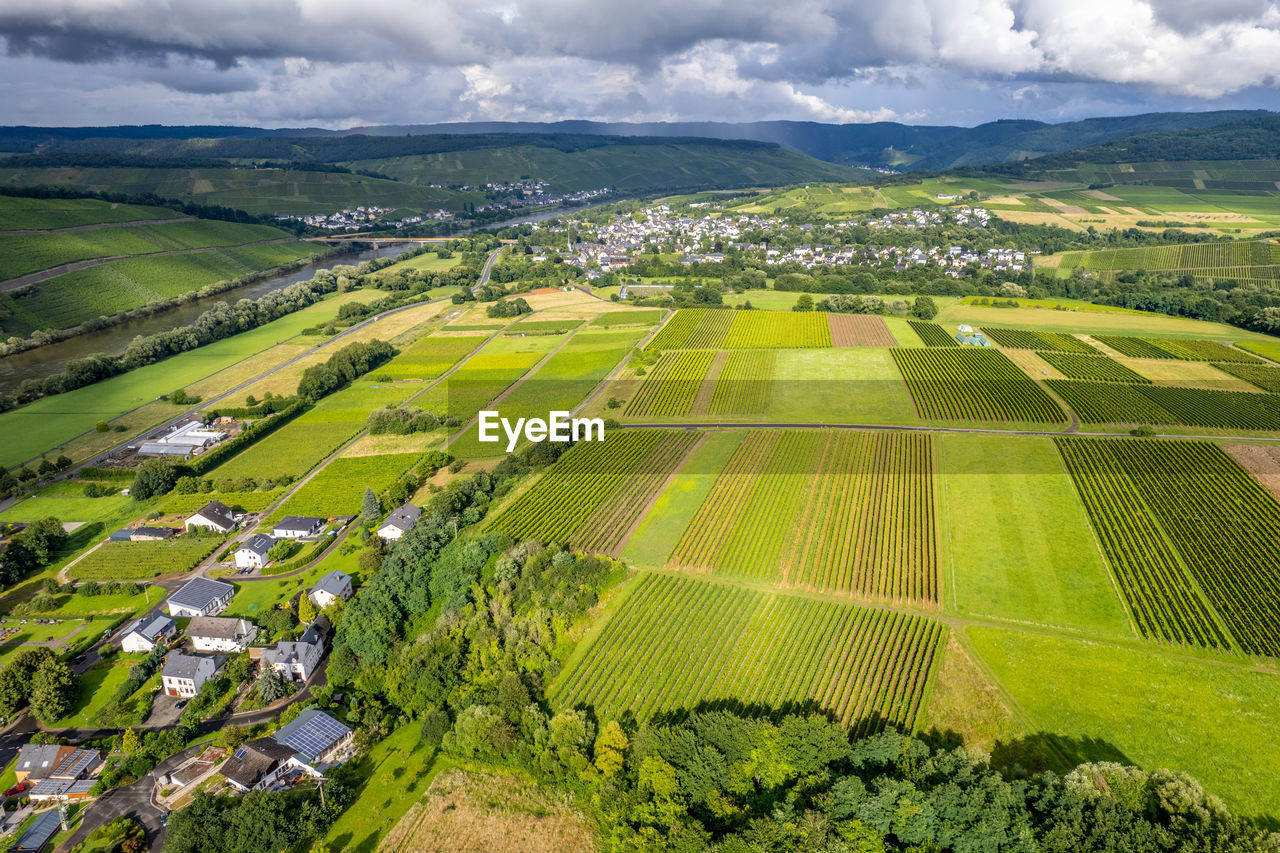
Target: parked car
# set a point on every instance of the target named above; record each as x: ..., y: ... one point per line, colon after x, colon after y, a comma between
x: 17, y: 789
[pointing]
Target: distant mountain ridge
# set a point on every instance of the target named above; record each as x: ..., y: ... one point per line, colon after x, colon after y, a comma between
x: 877, y: 144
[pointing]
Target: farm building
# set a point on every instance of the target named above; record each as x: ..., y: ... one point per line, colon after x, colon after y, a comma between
x: 215, y: 515
x: 183, y: 440
x: 143, y: 634
x: 253, y: 554
x: 297, y: 527
x: 972, y: 339
x: 150, y: 534
x: 200, y: 597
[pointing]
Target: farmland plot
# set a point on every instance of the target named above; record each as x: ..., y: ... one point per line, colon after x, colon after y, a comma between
x: 339, y: 488
x: 745, y: 385
x: 841, y: 511
x: 1105, y: 403
x: 676, y: 643
x: 593, y: 495
x: 672, y: 386
x: 1266, y: 378
x: 973, y: 384
x: 429, y: 357
x: 778, y: 330
x: 144, y: 559
x: 860, y: 330
x: 693, y: 328
x: 1180, y: 520
x: 932, y: 335
x: 1097, y: 368
x: 1040, y: 341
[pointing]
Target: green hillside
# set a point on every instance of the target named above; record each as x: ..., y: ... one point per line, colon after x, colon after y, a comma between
x: 1256, y: 261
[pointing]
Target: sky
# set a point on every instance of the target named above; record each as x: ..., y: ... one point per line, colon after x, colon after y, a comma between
x: 325, y: 63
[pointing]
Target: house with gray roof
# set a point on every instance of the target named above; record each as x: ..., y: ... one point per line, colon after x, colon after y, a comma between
x: 143, y: 634
x: 263, y: 764
x: 184, y: 675
x: 332, y: 587
x: 297, y: 527
x: 296, y: 659
x: 219, y: 634
x: 316, y: 737
x: 215, y: 515
x: 200, y: 597
x: 400, y: 522
x: 253, y: 553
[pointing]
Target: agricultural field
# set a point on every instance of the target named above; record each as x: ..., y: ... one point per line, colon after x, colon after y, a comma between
x: 1040, y: 341
x: 1185, y: 350
x: 745, y: 383
x: 672, y: 386
x: 26, y: 253
x: 843, y: 511
x: 185, y: 505
x: 593, y: 496
x: 973, y: 384
x: 114, y: 286
x: 933, y: 335
x: 1250, y: 261
x: 1259, y: 375
x: 693, y: 328
x: 639, y: 317
x: 45, y: 214
x: 675, y: 643
x: 860, y: 330
x: 778, y: 330
x: 129, y: 560
x: 1093, y: 368
x: 339, y: 487
x: 291, y: 451
x: 1190, y: 535
x: 1163, y: 405
x: 66, y: 500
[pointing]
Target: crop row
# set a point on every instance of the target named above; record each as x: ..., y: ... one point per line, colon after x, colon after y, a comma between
x: 1096, y: 368
x: 1045, y: 341
x: 1266, y: 378
x: 672, y: 386
x: 860, y: 330
x: 594, y: 494
x: 693, y: 328
x: 1183, y: 350
x: 677, y: 644
x: 1195, y: 256
x: 837, y: 511
x: 1107, y: 403
x: 114, y: 560
x: 973, y: 384
x: 1196, y: 508
x: 933, y: 335
x: 778, y: 330
x: 745, y: 384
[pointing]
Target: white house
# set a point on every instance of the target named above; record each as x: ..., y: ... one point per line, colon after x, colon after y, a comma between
x: 400, y: 522
x: 253, y: 553
x: 297, y: 526
x: 215, y: 515
x: 143, y: 634
x: 184, y: 675
x: 333, y: 586
x: 296, y: 660
x: 219, y: 634
x: 200, y: 597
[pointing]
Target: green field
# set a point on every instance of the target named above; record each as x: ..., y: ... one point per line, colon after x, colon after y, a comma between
x: 674, y: 643
x: 66, y: 501
x: 339, y: 487
x: 128, y: 560
x: 429, y: 357
x: 1018, y: 546
x: 1114, y: 703
x: 1253, y: 261
x: 290, y: 451
x: 42, y: 214
x: 967, y: 383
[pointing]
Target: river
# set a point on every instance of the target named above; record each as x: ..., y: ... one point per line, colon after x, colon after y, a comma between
x: 53, y: 358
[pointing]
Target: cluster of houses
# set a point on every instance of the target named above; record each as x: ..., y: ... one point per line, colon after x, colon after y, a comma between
x: 352, y: 218
x: 213, y: 637
x: 953, y: 259
x: 974, y: 217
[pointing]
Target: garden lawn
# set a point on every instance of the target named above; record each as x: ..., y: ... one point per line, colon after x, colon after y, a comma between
x: 1021, y: 547
x: 1214, y: 720
x: 66, y: 502
x: 95, y: 689
x: 859, y: 385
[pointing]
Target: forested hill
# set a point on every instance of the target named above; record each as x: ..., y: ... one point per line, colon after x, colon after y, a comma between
x: 629, y: 165
x: 1249, y: 139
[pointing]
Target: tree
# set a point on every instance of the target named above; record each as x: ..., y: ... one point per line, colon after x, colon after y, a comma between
x: 52, y: 689
x: 306, y: 610
x: 804, y: 303
x: 370, y: 509
x: 610, y: 749
x: 272, y: 686
x: 154, y: 477
x: 129, y: 743
x: 924, y: 308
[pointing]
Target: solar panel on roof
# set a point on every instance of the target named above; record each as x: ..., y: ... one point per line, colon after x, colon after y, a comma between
x: 313, y: 735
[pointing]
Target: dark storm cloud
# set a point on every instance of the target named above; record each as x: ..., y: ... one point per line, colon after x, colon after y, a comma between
x: 833, y: 60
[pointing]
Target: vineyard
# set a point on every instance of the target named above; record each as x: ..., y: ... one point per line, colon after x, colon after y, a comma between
x: 973, y: 384
x: 1096, y: 368
x: 860, y: 330
x: 1249, y: 260
x: 429, y: 357
x: 124, y: 560
x: 1183, y: 350
x: 594, y: 494
x: 1044, y: 341
x: 1160, y: 506
x: 644, y: 317
x: 693, y: 328
x: 1101, y: 403
x: 838, y: 511
x: 932, y: 335
x: 778, y: 330
x: 184, y: 505
x: 672, y: 386
x: 745, y: 385
x: 339, y: 488
x: 1135, y: 347
x: 289, y: 452
x: 1266, y: 378
x: 676, y: 643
